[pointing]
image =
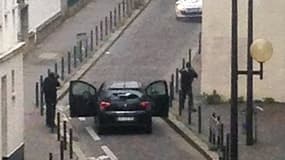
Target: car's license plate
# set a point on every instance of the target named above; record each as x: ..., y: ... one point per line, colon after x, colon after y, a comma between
x: 125, y: 118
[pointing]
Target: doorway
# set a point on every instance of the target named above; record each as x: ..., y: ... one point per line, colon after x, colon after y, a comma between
x: 4, y: 114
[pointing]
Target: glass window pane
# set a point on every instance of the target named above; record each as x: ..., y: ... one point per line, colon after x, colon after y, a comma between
x: 80, y: 88
x: 156, y: 89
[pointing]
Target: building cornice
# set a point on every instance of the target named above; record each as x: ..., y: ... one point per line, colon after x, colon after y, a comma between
x: 6, y: 55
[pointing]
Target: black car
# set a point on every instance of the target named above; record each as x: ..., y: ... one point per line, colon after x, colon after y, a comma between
x: 121, y: 103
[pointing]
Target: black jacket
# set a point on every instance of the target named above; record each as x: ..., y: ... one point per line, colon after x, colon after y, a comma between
x: 49, y: 87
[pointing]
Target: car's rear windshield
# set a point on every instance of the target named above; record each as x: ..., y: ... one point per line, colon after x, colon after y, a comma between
x: 124, y: 94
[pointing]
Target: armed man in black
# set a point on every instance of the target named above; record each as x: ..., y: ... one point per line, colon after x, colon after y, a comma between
x: 50, y: 85
x: 188, y: 74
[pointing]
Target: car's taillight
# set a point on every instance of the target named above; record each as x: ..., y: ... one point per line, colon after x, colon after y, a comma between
x: 145, y: 105
x: 104, y: 105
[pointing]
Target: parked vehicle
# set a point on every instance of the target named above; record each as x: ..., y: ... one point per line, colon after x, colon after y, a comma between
x: 188, y: 9
x: 119, y: 103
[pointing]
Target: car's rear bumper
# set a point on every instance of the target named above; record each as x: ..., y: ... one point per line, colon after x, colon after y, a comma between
x: 181, y: 14
x: 114, y: 118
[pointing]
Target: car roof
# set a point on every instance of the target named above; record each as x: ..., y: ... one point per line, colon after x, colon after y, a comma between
x: 124, y: 84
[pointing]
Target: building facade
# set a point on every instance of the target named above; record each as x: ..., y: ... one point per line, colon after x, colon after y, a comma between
x: 268, y: 22
x: 14, y: 28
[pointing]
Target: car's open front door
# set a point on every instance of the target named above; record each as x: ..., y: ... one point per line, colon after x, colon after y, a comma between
x: 158, y: 92
x: 82, y: 99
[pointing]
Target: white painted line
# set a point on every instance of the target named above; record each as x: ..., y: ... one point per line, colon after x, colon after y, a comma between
x: 103, y: 157
x: 82, y: 118
x: 92, y: 133
x: 109, y: 152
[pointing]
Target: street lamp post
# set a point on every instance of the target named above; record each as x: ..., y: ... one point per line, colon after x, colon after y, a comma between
x: 234, y: 84
x: 260, y: 50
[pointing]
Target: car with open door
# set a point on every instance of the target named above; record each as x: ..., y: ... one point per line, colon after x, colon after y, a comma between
x: 119, y: 103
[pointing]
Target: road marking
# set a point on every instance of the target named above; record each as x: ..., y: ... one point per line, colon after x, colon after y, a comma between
x: 103, y: 157
x: 82, y: 118
x: 92, y: 133
x: 109, y: 153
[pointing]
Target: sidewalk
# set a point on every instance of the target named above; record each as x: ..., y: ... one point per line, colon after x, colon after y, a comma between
x: 39, y: 142
x: 270, y: 126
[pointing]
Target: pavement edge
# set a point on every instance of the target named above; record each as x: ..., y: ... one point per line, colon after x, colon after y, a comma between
x: 190, y: 137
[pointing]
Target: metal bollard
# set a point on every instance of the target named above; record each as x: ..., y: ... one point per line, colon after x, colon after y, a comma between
x: 227, y: 157
x: 101, y: 30
x: 74, y: 57
x: 80, y: 51
x: 70, y: 144
x: 62, y: 68
x: 219, y: 132
x: 128, y: 8
x: 189, y: 111
x: 96, y: 36
x: 172, y: 86
x: 48, y: 71
x: 183, y: 63
x: 55, y: 68
x: 50, y: 156
x: 200, y: 42
x: 115, y: 17
x: 111, y: 22
x: 106, y: 26
x: 37, y: 94
x: 41, y: 96
x: 214, y: 140
x: 180, y: 103
x: 91, y: 40
x: 68, y: 62
x: 119, y: 12
x: 86, y: 49
x: 124, y: 8
x: 64, y: 135
x: 222, y: 135
x: 199, y: 120
x: 210, y: 135
x: 61, y: 147
x: 58, y: 126
x: 190, y: 56
x: 176, y: 80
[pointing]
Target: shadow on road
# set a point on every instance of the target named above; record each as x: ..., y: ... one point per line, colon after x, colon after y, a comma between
x: 124, y: 130
x: 190, y: 20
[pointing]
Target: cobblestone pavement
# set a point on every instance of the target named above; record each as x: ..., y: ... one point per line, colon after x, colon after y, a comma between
x: 270, y: 126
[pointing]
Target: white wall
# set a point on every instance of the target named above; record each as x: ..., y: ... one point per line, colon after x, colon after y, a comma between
x: 41, y: 10
x: 10, y: 23
x: 15, y: 116
x: 269, y: 22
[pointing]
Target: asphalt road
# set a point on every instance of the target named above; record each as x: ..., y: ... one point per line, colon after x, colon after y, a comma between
x: 150, y: 49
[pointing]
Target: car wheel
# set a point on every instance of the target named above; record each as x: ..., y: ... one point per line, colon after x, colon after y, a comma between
x: 148, y: 129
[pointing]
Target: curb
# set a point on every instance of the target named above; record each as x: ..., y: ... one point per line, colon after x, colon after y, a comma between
x: 190, y: 137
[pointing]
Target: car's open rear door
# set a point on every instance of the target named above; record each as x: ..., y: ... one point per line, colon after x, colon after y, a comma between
x: 82, y: 99
x: 158, y: 92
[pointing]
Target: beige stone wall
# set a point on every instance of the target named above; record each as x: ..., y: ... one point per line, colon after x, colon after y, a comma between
x: 15, y: 106
x: 269, y: 22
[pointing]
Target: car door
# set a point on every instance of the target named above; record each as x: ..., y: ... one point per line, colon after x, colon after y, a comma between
x: 157, y: 91
x: 82, y: 99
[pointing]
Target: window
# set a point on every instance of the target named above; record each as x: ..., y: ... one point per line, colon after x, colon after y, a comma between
x: 13, y: 80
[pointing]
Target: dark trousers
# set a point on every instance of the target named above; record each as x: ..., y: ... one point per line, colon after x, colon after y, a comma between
x: 188, y: 93
x: 50, y: 113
